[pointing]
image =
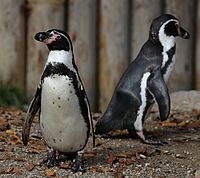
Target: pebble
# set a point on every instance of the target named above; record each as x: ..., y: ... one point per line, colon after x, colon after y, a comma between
x: 147, y: 164
x: 142, y: 156
x: 138, y: 165
x: 197, y: 174
x: 166, y: 152
x: 179, y: 156
x: 187, y: 152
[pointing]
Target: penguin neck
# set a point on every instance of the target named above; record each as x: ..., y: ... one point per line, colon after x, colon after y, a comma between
x: 167, y: 43
x: 62, y: 56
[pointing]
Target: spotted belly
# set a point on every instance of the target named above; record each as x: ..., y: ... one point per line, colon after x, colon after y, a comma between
x: 61, y: 121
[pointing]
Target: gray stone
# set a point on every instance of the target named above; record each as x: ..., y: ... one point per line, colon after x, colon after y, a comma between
x: 197, y: 174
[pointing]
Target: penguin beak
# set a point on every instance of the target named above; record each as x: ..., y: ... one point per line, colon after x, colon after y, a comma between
x: 41, y: 36
x: 47, y: 37
x: 182, y: 32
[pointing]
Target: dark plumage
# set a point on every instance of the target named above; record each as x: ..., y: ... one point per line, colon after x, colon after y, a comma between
x: 144, y: 81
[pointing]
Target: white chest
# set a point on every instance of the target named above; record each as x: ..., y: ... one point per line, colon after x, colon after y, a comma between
x: 61, y: 121
x: 61, y: 56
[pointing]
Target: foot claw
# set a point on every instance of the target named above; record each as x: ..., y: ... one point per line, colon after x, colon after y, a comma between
x: 52, y: 163
x: 51, y: 158
x: 155, y: 142
x: 150, y: 141
x: 77, y: 165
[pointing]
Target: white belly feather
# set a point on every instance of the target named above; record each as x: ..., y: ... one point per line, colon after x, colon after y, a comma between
x: 61, y: 121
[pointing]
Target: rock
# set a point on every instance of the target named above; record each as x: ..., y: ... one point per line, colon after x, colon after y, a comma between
x: 142, y: 156
x: 186, y: 102
x: 197, y: 174
x: 179, y: 156
x: 3, y: 124
x: 183, y: 103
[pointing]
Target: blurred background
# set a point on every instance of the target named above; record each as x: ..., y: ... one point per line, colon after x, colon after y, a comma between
x: 107, y: 35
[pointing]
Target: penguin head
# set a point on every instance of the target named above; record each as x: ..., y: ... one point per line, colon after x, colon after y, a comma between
x: 166, y: 26
x: 55, y: 39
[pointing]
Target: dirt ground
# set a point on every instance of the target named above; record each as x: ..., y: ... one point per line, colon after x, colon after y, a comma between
x: 117, y: 154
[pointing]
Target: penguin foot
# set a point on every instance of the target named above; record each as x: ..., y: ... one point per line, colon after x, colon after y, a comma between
x: 154, y: 142
x: 78, y: 164
x: 52, y: 163
x: 51, y: 158
x: 132, y: 133
x: 150, y: 141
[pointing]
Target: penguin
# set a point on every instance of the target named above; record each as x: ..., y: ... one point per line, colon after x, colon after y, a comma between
x: 144, y: 82
x: 60, y: 98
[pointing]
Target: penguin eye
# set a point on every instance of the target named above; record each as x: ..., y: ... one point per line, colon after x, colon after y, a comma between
x: 58, y: 37
x: 49, y: 34
x: 177, y: 25
x: 171, y: 29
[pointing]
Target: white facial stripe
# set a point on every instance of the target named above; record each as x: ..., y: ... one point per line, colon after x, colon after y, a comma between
x: 143, y: 87
x: 166, y: 41
x: 171, y: 20
x: 61, y: 34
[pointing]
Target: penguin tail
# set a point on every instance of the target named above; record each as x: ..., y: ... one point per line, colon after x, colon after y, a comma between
x: 103, y: 126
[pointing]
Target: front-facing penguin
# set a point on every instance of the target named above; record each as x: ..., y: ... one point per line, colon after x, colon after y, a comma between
x: 144, y: 81
x: 61, y: 100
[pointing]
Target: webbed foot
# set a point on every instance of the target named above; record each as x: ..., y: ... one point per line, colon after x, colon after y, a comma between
x: 78, y: 164
x: 51, y: 158
x: 151, y: 141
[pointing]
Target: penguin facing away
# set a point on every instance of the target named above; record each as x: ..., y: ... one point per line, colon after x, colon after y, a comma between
x: 60, y: 98
x: 144, y: 81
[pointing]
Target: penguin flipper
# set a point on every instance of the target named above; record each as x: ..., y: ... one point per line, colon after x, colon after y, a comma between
x: 32, y: 110
x: 158, y: 88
